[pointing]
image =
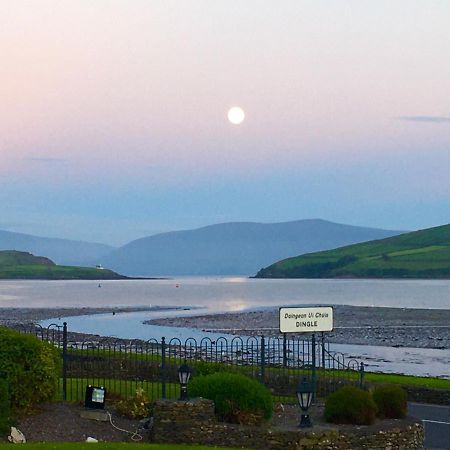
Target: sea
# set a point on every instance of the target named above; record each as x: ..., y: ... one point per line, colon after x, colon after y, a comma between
x: 210, y: 295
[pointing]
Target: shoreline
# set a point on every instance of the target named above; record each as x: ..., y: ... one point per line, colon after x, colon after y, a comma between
x: 359, y: 325
x: 10, y: 315
x: 123, y: 278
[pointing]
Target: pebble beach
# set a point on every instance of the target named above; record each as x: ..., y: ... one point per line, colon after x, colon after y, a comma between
x: 392, y: 327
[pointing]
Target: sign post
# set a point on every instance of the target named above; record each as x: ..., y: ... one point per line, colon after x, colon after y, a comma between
x: 307, y: 320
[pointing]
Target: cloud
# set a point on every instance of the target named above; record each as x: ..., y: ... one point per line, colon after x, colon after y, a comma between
x: 427, y: 119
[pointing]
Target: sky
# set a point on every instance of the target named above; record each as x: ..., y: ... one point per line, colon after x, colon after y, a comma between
x: 113, y: 114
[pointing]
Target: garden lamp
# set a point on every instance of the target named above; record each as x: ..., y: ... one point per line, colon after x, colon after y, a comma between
x: 95, y: 397
x: 184, y: 373
x: 304, y: 396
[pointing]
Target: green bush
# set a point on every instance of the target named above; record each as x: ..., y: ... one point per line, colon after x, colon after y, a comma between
x: 4, y: 408
x: 208, y: 367
x: 350, y: 405
x: 237, y: 398
x: 30, y: 366
x: 136, y: 407
x: 391, y: 401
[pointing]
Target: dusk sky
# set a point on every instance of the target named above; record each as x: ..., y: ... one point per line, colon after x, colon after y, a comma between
x: 113, y: 114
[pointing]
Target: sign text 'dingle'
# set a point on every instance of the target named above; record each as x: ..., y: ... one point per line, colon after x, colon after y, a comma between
x: 306, y: 320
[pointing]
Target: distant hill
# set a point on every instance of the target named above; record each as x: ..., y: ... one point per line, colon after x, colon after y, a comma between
x: 239, y: 248
x: 23, y: 265
x: 62, y: 251
x: 419, y: 254
x: 15, y: 258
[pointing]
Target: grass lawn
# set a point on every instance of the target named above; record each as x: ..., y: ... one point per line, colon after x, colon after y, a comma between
x: 407, y: 380
x: 111, y: 446
x: 122, y: 372
x: 127, y: 388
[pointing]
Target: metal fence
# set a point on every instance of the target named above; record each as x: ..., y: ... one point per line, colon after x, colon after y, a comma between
x: 123, y: 366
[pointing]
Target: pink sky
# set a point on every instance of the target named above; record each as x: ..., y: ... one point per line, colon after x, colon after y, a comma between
x: 111, y: 91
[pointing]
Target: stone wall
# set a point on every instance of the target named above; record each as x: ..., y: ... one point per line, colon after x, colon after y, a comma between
x: 425, y: 395
x: 194, y: 422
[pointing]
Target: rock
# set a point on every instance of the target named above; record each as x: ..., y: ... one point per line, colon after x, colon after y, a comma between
x: 16, y: 436
x: 94, y: 414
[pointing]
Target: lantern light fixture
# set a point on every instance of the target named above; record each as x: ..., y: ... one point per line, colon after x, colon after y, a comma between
x: 184, y: 374
x: 304, y: 397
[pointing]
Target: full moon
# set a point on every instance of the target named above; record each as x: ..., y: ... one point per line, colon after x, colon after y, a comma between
x: 236, y: 115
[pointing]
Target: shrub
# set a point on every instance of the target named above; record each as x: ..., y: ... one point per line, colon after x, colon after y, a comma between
x: 350, y: 405
x: 237, y: 398
x: 208, y: 368
x: 136, y: 407
x: 30, y: 366
x: 4, y: 408
x: 391, y: 401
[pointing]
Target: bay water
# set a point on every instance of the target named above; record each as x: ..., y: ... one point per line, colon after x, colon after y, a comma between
x: 209, y: 295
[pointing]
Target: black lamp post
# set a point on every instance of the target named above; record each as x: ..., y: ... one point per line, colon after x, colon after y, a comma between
x: 184, y: 373
x: 304, y: 396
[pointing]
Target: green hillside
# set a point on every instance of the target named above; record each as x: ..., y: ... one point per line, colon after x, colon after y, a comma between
x: 25, y: 266
x: 420, y: 254
x: 14, y: 258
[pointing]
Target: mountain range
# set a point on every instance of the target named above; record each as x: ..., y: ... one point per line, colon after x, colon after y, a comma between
x: 61, y: 251
x: 237, y: 248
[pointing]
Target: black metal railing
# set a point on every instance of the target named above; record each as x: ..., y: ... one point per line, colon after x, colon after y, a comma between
x: 123, y: 366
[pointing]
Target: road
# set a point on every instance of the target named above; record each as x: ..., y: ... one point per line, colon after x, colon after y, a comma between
x: 436, y: 420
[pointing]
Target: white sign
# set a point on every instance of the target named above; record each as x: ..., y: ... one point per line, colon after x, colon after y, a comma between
x: 304, y: 320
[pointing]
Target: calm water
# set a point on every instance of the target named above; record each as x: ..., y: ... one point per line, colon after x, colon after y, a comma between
x: 226, y: 294
x: 412, y: 361
x: 211, y: 295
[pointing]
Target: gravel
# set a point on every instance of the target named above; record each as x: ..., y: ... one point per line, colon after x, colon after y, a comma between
x: 393, y: 327
x: 61, y: 421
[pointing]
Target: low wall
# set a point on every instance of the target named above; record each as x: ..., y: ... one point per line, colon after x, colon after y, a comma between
x: 425, y: 395
x: 194, y: 422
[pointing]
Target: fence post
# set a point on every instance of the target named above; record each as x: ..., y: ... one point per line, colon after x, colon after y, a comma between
x: 323, y: 349
x: 284, y: 350
x: 263, y: 358
x: 163, y: 367
x: 64, y: 361
x: 313, y: 364
x: 361, y: 375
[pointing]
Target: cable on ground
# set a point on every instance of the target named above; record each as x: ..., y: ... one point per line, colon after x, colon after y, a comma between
x: 135, y: 436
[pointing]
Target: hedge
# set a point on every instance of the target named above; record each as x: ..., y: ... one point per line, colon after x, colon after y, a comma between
x: 30, y: 366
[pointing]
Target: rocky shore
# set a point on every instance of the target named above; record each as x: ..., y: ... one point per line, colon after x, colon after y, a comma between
x: 393, y: 327
x: 27, y: 315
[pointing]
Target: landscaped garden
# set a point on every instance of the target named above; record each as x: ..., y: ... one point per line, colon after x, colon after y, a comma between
x: 112, y: 446
x: 30, y: 399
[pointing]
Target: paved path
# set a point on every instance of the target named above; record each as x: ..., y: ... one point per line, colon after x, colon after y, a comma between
x: 436, y: 420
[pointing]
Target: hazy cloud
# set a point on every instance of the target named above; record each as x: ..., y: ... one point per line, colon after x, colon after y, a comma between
x: 47, y: 160
x: 429, y: 119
